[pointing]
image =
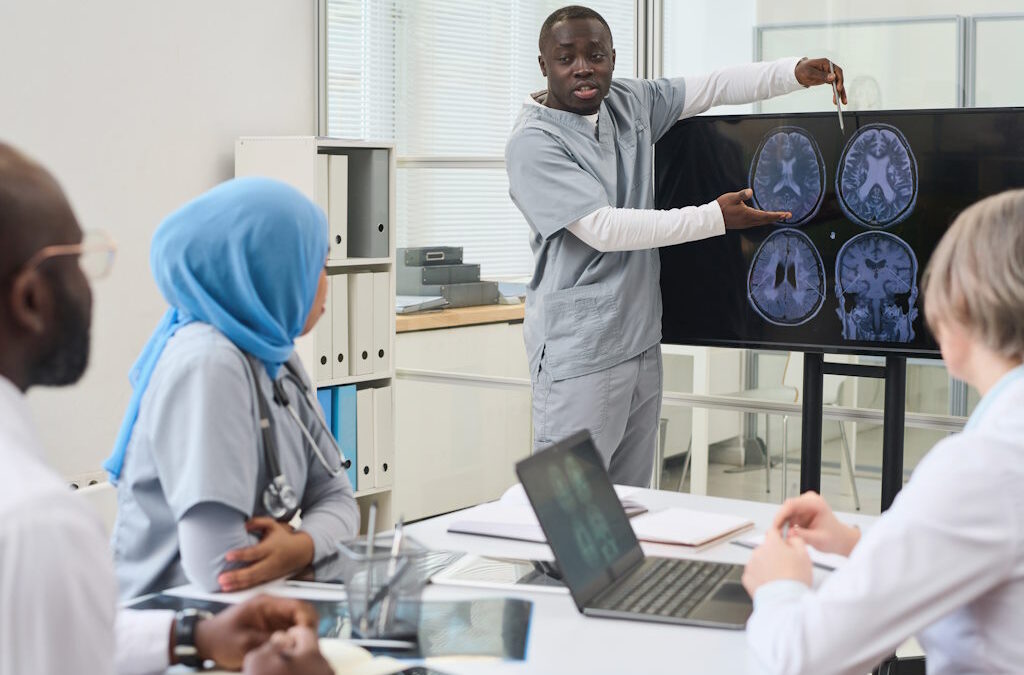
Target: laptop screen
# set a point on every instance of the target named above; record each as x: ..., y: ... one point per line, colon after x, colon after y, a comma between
x: 582, y: 517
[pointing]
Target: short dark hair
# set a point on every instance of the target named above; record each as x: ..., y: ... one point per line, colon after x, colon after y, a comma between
x: 30, y: 201
x: 568, y: 13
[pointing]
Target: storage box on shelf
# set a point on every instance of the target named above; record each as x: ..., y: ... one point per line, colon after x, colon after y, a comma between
x: 349, y: 353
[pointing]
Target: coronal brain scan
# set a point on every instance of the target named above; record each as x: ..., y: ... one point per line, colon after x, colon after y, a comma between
x: 876, y: 180
x: 786, y: 282
x: 788, y: 174
x: 876, y: 285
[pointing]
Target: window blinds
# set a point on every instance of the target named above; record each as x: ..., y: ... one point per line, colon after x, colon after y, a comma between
x: 445, y: 79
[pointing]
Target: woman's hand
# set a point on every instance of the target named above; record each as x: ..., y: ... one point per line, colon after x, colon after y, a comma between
x: 775, y: 559
x: 280, y: 552
x: 810, y: 518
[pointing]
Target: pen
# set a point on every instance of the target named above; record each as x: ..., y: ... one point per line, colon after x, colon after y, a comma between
x: 383, y: 593
x: 839, y: 109
x: 751, y: 545
x: 371, y: 525
x: 393, y: 574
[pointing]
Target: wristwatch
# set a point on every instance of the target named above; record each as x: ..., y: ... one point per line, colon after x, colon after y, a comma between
x: 185, y: 651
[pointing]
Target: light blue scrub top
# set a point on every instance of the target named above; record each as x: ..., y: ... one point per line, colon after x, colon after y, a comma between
x: 196, y: 441
x: 586, y: 310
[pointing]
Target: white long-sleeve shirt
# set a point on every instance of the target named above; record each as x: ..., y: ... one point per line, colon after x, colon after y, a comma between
x: 613, y: 229
x: 945, y: 563
x: 57, y: 588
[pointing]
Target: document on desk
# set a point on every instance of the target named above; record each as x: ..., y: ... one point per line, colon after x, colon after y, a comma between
x: 686, y: 527
x: 512, y: 517
x: 826, y: 561
x: 345, y: 657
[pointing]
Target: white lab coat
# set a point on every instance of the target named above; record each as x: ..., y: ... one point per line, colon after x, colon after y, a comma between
x: 945, y: 563
x: 57, y: 588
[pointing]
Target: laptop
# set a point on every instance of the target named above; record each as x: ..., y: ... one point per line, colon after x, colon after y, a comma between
x: 600, y: 558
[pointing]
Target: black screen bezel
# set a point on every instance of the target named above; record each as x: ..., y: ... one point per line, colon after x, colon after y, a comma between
x: 582, y: 443
x: 851, y: 120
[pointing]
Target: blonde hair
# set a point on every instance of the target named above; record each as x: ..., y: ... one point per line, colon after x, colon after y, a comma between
x: 976, y: 274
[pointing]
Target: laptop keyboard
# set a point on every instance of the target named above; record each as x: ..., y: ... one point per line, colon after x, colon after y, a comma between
x: 669, y: 587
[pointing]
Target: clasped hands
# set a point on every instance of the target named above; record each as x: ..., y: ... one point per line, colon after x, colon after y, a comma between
x: 265, y: 636
x: 811, y: 523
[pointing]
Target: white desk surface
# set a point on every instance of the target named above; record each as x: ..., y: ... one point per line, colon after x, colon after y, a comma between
x: 564, y: 641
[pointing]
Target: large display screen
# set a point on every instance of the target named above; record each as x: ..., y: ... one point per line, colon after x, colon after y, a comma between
x: 868, y: 206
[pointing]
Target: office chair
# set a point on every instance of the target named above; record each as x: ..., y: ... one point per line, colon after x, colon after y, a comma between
x: 788, y: 392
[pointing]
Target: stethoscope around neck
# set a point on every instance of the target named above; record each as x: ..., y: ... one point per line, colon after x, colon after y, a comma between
x: 278, y: 497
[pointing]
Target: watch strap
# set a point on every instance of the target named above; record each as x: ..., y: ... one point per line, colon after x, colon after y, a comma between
x: 185, y: 651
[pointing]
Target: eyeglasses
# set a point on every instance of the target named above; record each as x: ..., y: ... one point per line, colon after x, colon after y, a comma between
x: 95, y: 254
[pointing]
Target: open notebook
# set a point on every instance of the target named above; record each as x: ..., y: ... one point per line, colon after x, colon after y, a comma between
x: 512, y: 517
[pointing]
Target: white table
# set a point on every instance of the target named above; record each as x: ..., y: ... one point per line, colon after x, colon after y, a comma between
x: 564, y: 641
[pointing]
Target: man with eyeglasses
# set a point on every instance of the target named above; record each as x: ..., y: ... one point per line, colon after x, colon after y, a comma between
x: 57, y: 588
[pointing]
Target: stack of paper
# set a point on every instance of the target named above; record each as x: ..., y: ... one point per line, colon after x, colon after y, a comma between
x: 683, y: 527
x: 407, y: 304
x: 512, y: 517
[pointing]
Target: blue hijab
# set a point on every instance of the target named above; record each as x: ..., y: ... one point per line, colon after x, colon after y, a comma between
x: 244, y: 257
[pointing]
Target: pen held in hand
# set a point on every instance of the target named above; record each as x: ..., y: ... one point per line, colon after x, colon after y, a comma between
x: 835, y: 96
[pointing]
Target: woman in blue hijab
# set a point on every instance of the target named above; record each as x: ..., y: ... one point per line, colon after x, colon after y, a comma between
x: 199, y: 494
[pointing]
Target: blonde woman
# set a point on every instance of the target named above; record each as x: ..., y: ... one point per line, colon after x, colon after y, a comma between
x: 946, y: 562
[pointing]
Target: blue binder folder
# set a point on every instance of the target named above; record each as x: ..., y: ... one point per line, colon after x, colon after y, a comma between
x: 326, y: 398
x: 345, y: 427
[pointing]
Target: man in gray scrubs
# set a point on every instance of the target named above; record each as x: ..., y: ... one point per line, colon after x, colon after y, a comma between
x: 579, y: 164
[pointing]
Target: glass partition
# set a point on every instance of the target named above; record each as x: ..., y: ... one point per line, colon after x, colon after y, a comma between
x: 997, y: 71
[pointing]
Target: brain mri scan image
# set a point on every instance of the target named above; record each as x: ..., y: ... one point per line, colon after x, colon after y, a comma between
x: 876, y: 181
x: 786, y: 282
x: 788, y: 174
x: 876, y: 285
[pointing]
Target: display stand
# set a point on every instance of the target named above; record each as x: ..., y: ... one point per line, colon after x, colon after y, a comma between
x: 895, y: 375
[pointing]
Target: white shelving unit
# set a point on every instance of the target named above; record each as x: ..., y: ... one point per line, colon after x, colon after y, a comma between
x: 354, y: 183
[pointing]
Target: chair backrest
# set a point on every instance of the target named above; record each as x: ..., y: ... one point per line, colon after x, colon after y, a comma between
x: 832, y: 389
x: 793, y: 375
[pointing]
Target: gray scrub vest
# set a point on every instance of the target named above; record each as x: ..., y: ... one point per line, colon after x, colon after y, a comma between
x: 586, y: 310
x: 196, y: 440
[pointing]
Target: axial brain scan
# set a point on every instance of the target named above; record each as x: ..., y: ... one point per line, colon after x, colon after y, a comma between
x: 786, y: 282
x: 876, y: 285
x: 788, y: 174
x: 877, y: 177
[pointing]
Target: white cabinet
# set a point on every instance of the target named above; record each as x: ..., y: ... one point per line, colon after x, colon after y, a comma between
x: 462, y: 408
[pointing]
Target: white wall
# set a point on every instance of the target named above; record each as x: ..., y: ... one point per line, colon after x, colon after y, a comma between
x: 134, y: 106
x: 699, y: 37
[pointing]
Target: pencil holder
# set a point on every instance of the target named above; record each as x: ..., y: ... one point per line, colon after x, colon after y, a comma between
x: 383, y: 590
